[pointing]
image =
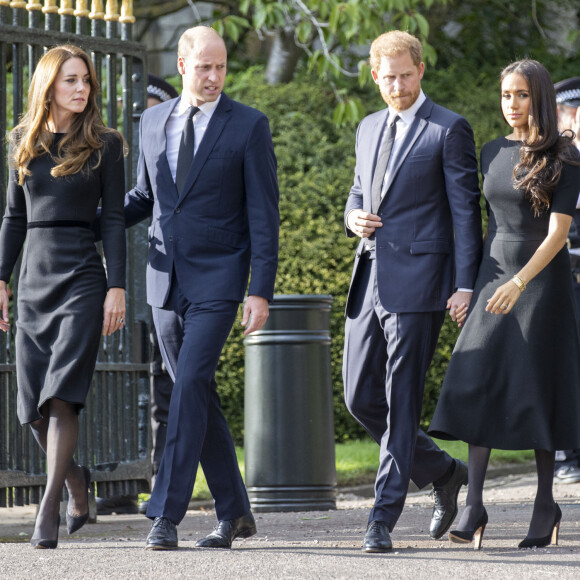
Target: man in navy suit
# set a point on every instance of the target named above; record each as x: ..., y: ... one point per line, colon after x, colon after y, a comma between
x: 415, y: 205
x: 207, y: 175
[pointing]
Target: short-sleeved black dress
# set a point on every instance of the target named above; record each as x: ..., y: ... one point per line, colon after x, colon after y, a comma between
x: 62, y: 284
x: 513, y: 381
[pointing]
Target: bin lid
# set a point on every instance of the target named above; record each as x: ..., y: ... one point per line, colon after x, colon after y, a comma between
x: 302, y: 299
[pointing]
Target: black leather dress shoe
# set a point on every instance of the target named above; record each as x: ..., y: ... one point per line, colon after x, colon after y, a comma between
x: 227, y: 531
x: 377, y: 538
x: 163, y: 535
x: 445, y: 496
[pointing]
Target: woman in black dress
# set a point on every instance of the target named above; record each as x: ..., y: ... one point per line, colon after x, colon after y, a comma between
x: 63, y: 163
x: 513, y: 381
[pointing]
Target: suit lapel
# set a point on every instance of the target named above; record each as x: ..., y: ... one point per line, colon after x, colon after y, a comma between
x: 216, y: 125
x: 376, y: 139
x: 417, y: 127
x: 160, y: 138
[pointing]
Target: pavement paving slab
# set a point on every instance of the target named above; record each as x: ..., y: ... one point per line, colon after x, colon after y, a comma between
x: 307, y: 544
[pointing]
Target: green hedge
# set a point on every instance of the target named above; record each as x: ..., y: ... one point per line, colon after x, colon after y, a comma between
x: 315, y: 171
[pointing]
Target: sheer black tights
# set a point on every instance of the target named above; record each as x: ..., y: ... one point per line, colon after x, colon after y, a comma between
x: 57, y: 434
x: 544, y: 506
x: 478, y: 460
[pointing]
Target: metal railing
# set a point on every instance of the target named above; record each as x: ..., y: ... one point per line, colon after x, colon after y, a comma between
x: 114, y: 430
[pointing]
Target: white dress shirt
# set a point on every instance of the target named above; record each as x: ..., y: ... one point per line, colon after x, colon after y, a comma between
x: 175, y: 124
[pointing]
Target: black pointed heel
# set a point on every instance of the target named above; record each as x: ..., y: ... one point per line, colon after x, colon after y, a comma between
x: 46, y: 544
x: 551, y: 538
x: 468, y: 536
x: 75, y: 523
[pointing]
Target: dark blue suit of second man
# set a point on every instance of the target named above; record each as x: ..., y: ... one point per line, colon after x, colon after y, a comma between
x: 429, y: 245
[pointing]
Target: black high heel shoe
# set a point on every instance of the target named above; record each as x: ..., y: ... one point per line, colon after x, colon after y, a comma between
x: 46, y: 544
x: 551, y: 538
x: 468, y: 536
x: 74, y: 523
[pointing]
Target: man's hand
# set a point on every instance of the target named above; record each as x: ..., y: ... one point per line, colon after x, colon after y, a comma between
x: 256, y: 311
x: 457, y: 305
x: 362, y: 223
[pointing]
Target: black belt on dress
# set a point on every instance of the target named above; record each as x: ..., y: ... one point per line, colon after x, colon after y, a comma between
x: 59, y: 224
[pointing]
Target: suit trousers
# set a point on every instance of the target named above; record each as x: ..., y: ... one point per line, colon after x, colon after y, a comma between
x: 191, y: 338
x: 386, y: 357
x: 161, y: 386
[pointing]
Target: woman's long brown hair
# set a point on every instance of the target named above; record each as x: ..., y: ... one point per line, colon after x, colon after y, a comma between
x: 544, y: 150
x: 31, y: 137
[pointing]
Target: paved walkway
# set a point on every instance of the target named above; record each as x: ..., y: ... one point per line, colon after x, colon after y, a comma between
x: 307, y: 544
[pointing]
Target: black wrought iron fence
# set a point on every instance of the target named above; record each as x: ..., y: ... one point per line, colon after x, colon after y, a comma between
x: 114, y: 431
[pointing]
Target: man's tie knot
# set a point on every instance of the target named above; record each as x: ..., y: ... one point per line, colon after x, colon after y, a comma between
x: 193, y: 110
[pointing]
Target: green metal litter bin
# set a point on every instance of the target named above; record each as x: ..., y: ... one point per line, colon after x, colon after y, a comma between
x: 288, y: 420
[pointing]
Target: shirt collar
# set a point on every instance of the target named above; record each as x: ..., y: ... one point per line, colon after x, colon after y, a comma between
x: 408, y: 115
x: 207, y: 108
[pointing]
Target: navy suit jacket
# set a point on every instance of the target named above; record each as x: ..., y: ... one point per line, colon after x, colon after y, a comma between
x: 224, y: 222
x: 431, y: 238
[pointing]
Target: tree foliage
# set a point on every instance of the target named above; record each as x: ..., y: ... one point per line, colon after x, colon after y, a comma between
x: 331, y: 37
x: 480, y: 33
x: 333, y: 34
x: 329, y: 31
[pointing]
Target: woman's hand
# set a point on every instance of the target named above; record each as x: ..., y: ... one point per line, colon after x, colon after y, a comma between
x: 114, y: 311
x: 503, y: 299
x: 4, y: 303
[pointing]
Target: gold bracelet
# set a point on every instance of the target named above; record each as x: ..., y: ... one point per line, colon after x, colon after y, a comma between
x: 519, y: 283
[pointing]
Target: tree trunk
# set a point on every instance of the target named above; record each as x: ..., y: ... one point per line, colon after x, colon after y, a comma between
x: 283, y: 57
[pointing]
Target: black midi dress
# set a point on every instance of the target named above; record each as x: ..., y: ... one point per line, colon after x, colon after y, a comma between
x: 513, y: 381
x: 62, y: 284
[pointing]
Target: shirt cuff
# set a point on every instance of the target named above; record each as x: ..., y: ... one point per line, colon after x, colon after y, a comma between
x: 346, y: 219
x: 464, y: 289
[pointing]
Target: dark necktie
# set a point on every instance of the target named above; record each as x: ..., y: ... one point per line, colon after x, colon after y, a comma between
x: 186, y: 149
x: 382, y: 162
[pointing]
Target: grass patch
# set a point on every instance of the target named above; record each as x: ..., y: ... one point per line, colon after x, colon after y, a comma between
x: 458, y: 449
x: 357, y: 462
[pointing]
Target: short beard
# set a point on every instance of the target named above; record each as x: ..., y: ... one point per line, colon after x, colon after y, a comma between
x: 395, y: 103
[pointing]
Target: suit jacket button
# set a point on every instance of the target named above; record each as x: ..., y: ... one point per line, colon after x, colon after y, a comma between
x: 178, y: 210
x: 170, y: 238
